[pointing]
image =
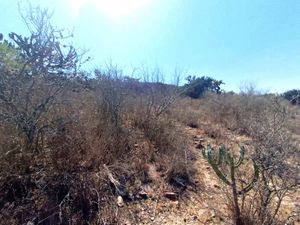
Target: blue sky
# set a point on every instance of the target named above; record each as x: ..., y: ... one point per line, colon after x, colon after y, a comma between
x: 237, y: 41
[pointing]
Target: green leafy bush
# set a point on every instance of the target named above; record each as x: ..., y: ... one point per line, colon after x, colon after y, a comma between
x: 293, y: 96
x: 196, y: 87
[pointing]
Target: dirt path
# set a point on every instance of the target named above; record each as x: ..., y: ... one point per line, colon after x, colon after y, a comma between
x: 205, y: 205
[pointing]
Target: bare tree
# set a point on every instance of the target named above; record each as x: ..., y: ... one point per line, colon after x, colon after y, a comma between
x: 159, y: 96
x: 277, y: 158
x: 29, y: 89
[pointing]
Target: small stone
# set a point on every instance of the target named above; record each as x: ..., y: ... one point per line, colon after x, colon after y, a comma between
x: 120, y: 201
x: 170, y: 195
x: 142, y: 194
x: 213, y: 213
x: 217, y: 186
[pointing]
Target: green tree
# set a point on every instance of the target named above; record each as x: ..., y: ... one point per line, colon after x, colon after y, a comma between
x: 293, y: 96
x: 197, y: 86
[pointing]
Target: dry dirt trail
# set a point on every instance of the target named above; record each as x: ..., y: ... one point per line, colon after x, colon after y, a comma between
x: 205, y: 204
x: 201, y: 205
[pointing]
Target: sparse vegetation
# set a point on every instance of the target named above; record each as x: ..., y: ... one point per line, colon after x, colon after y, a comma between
x: 84, y: 148
x: 66, y: 139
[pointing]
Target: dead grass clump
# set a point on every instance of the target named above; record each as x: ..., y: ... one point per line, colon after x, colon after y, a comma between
x: 170, y: 146
x: 214, y: 131
x: 232, y: 110
x: 187, y: 112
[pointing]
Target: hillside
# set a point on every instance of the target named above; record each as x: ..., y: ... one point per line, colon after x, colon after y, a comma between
x: 79, y: 147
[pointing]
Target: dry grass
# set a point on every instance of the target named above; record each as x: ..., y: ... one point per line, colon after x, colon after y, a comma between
x: 82, y: 152
x: 271, y: 126
x: 70, y: 145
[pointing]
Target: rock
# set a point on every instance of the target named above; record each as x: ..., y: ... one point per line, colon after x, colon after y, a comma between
x: 217, y: 186
x: 142, y: 194
x: 148, y: 190
x: 170, y: 195
x: 213, y: 213
x: 199, y: 146
x: 120, y: 201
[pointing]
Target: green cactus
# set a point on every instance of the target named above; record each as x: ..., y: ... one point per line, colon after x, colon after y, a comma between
x: 224, y: 157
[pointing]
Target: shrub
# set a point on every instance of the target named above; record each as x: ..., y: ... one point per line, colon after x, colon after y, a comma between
x: 186, y: 111
x: 66, y: 140
x: 292, y: 96
x: 33, y: 74
x: 196, y: 87
x: 263, y: 118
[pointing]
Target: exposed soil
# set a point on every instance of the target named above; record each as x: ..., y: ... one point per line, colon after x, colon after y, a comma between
x: 201, y: 203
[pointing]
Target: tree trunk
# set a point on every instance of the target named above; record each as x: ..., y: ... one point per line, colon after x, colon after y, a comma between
x: 237, y: 213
